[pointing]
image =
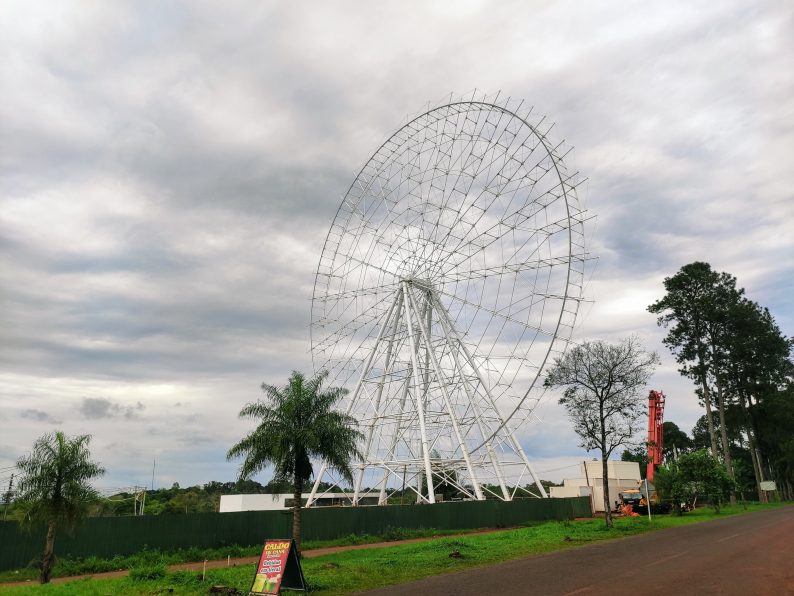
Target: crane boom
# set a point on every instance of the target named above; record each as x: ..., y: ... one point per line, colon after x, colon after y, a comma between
x: 655, y: 431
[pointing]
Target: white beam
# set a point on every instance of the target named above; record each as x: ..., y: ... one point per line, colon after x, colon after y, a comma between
x: 442, y: 381
x: 419, y: 402
x: 516, y: 445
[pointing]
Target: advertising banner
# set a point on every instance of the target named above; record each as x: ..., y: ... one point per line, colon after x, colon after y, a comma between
x: 279, y: 568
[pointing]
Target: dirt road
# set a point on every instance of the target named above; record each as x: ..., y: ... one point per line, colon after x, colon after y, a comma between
x: 744, y: 555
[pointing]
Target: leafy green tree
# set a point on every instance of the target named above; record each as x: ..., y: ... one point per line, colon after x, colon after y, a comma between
x: 759, y: 367
x: 296, y: 423
x: 776, y: 430
x: 694, y: 312
x: 675, y: 441
x: 602, y: 384
x: 694, y: 474
x: 55, y: 489
x: 671, y: 487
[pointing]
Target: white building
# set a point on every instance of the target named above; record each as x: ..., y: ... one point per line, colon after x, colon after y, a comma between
x: 275, y: 502
x: 623, y: 475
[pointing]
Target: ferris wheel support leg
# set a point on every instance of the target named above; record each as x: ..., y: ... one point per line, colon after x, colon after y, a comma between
x: 371, y: 429
x: 356, y: 391
x: 390, y: 455
x: 471, y: 394
x: 431, y: 497
x: 398, y: 424
x: 523, y: 455
x: 317, y: 480
x: 442, y: 381
x: 513, y: 440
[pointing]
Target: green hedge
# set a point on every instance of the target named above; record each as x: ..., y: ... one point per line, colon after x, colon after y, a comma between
x: 106, y: 537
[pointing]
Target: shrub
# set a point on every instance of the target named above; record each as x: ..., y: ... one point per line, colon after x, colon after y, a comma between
x: 147, y: 572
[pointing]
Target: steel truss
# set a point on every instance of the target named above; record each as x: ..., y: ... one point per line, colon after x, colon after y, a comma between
x: 452, y: 273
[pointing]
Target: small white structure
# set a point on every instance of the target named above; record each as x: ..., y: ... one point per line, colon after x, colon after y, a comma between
x: 623, y: 475
x: 257, y: 502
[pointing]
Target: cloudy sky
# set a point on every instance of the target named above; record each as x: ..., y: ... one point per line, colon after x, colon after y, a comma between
x: 168, y: 172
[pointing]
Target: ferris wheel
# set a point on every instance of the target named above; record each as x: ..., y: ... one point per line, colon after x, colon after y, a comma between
x: 451, y: 275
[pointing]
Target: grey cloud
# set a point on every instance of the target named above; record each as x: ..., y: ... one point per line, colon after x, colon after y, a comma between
x: 38, y: 415
x: 193, y: 440
x: 174, y: 174
x: 95, y: 408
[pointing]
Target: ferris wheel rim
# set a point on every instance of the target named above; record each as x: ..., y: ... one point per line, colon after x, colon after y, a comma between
x: 567, y: 189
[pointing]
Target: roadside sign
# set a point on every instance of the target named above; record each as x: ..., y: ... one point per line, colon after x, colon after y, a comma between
x: 768, y: 485
x: 279, y: 569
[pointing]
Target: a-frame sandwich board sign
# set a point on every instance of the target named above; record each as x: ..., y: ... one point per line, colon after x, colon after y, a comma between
x: 279, y: 569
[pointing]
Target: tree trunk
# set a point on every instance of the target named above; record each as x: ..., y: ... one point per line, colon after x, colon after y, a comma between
x: 48, y: 558
x: 726, y: 451
x: 709, y: 419
x: 607, y: 505
x: 296, y: 513
x: 757, y: 472
x: 756, y: 466
x: 757, y: 447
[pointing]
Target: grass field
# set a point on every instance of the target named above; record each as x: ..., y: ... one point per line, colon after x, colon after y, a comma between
x: 147, y: 558
x: 352, y: 571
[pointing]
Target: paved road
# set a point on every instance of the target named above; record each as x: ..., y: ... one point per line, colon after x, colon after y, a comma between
x: 744, y: 555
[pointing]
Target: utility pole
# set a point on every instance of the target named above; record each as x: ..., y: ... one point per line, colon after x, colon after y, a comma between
x: 8, y: 497
x: 587, y: 479
x: 142, y: 495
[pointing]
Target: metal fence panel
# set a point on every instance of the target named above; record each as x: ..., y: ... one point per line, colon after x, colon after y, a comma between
x: 106, y: 537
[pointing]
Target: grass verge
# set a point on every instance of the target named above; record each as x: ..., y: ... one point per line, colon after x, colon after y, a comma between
x: 352, y: 571
x: 67, y: 566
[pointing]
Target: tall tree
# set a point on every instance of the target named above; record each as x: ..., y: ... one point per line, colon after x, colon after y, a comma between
x: 759, y: 366
x: 296, y: 423
x: 694, y: 312
x: 676, y: 441
x: 602, y: 395
x: 54, y: 487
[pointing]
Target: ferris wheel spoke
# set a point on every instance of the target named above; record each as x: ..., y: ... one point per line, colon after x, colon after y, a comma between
x: 494, y: 313
x: 488, y: 184
x: 506, y: 269
x: 538, y: 234
x: 503, y: 226
x: 468, y: 203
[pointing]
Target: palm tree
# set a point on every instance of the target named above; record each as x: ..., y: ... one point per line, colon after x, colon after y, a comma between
x: 297, y: 423
x: 54, y: 487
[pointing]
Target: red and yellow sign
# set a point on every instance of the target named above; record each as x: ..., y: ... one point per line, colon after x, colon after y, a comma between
x: 279, y: 559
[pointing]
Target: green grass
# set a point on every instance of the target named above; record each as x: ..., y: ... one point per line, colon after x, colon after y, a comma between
x: 67, y: 566
x: 346, y: 572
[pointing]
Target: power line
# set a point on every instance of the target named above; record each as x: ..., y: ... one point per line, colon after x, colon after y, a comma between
x: 558, y: 469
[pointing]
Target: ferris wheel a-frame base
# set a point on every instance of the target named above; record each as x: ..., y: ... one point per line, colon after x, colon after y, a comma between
x: 412, y: 408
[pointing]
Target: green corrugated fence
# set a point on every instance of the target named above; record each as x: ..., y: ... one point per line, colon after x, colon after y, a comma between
x: 108, y: 536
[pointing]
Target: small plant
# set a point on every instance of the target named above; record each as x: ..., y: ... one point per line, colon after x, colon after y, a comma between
x: 148, y: 572
x: 390, y: 534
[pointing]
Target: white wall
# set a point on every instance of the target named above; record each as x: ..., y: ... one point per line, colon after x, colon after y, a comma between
x: 623, y: 475
x: 231, y: 503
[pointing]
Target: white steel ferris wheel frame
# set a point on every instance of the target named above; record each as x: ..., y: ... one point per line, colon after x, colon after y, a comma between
x: 429, y: 386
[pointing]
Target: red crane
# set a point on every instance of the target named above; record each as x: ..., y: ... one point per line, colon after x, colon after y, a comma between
x: 655, y: 432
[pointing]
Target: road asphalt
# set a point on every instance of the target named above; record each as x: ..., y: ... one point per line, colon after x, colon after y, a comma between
x: 744, y: 555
